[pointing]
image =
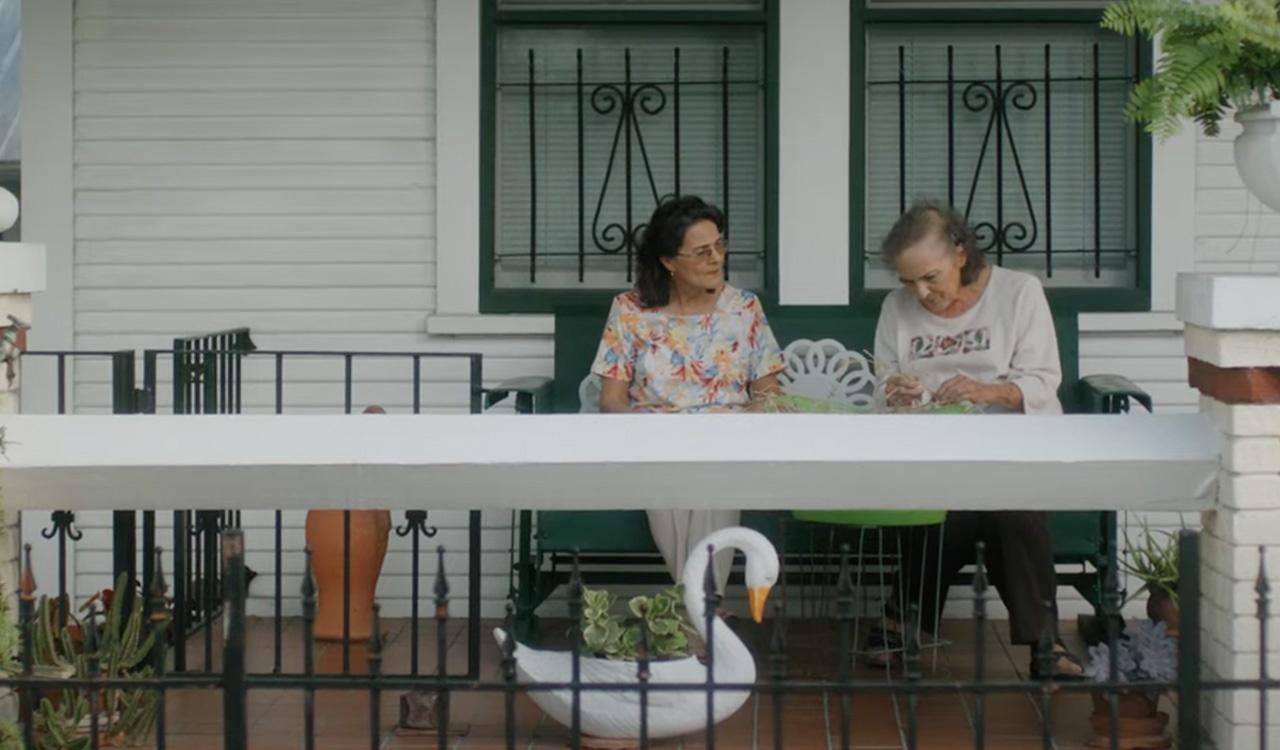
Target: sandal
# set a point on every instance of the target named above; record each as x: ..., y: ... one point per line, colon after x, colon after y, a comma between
x: 1067, y: 667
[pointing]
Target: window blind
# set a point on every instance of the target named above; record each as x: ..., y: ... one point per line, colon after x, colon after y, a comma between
x: 1012, y: 140
x: 678, y: 5
x: 594, y: 125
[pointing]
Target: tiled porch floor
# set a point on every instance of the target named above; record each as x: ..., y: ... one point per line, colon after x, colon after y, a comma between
x: 194, y: 717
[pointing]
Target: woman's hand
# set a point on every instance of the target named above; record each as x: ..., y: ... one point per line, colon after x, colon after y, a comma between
x: 760, y: 391
x: 903, y: 390
x: 962, y: 388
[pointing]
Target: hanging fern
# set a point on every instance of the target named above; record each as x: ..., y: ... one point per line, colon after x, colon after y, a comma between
x: 1214, y: 57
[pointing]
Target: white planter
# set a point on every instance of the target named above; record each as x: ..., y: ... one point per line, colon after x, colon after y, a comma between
x: 1257, y: 152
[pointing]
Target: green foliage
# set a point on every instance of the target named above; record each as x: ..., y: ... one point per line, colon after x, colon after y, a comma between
x: 1153, y: 559
x: 789, y: 404
x: 124, y: 650
x: 778, y: 402
x: 1213, y: 57
x: 10, y: 638
x: 10, y: 737
x: 58, y: 724
x: 612, y: 636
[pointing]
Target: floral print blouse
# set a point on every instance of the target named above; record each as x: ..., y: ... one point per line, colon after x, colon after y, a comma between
x: 688, y: 363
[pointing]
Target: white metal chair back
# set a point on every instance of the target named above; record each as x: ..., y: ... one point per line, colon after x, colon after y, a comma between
x: 827, y: 371
x: 822, y: 370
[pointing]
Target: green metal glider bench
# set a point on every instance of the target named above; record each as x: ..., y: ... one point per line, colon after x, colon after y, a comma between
x: 614, y: 547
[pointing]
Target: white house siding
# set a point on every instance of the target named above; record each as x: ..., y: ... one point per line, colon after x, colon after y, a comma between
x: 270, y: 164
x: 1234, y: 232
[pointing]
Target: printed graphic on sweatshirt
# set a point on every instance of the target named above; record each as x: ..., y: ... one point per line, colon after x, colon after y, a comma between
x: 945, y: 345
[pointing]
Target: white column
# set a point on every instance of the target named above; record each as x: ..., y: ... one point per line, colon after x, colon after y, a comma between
x: 813, y: 152
x: 1233, y: 350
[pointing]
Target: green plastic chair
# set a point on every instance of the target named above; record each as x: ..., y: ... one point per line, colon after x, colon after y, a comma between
x: 880, y: 520
x: 874, y: 518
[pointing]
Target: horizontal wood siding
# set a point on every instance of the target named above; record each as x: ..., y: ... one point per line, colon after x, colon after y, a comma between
x: 1235, y: 233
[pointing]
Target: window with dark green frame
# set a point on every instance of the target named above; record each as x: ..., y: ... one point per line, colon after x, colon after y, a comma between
x: 596, y: 111
x: 1015, y: 118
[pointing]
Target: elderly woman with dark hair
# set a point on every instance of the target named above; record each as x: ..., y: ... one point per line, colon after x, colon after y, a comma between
x: 684, y: 341
x: 962, y: 330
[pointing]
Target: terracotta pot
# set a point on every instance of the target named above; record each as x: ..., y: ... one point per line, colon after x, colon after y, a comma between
x: 1141, y: 725
x: 1162, y: 608
x: 369, y: 531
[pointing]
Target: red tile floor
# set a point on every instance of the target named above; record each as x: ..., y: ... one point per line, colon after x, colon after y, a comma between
x: 194, y: 717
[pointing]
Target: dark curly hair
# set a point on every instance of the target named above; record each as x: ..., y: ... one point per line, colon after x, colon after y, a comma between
x: 926, y: 219
x: 662, y: 238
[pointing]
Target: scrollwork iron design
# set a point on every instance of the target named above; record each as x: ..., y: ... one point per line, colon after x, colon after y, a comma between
x: 626, y: 103
x: 416, y: 521
x: 977, y: 97
x: 62, y: 522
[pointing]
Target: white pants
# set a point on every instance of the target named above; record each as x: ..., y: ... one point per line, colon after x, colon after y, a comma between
x: 675, y: 532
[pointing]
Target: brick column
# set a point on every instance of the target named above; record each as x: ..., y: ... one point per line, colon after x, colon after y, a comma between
x: 1233, y: 354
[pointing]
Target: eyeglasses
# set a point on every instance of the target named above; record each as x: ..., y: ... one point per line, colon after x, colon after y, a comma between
x: 705, y: 253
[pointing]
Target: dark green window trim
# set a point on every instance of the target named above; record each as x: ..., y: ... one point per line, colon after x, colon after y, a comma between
x: 1062, y: 299
x: 493, y: 300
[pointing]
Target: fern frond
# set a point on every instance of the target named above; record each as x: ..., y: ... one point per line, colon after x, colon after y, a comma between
x: 1151, y: 17
x: 1255, y: 21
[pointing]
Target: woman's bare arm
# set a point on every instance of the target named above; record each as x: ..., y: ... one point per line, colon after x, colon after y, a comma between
x: 759, y: 389
x: 614, y: 398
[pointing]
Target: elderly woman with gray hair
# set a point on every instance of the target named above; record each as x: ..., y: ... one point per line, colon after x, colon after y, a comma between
x: 960, y: 330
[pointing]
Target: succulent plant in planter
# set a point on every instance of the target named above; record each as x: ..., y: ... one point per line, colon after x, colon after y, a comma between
x: 609, y: 635
x: 1214, y: 57
x: 1146, y: 653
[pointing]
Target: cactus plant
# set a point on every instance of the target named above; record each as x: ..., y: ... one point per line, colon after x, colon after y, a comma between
x: 123, y: 650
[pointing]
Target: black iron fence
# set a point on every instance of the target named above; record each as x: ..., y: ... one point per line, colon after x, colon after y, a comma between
x: 208, y: 377
x: 94, y: 683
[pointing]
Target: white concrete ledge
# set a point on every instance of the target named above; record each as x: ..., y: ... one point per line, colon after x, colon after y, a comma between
x: 610, y: 462
x: 1227, y: 302
x: 22, y: 268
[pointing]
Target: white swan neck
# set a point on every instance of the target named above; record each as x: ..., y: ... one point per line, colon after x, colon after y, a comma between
x: 730, y: 653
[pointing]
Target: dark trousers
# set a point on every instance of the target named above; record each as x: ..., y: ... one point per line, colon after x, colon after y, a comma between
x: 1019, y: 562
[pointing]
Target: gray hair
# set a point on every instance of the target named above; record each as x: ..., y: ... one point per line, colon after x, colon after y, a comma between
x: 930, y: 219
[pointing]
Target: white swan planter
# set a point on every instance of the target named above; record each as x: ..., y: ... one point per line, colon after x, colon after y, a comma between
x: 615, y: 715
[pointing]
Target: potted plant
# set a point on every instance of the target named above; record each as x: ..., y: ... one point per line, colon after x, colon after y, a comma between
x: 1213, y: 57
x: 1146, y: 653
x: 608, y: 635
x: 1154, y: 561
x: 124, y: 645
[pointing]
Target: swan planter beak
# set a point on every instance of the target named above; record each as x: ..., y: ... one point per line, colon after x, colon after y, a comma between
x: 614, y: 715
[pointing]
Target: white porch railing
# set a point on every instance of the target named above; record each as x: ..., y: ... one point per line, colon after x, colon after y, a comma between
x: 610, y: 462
